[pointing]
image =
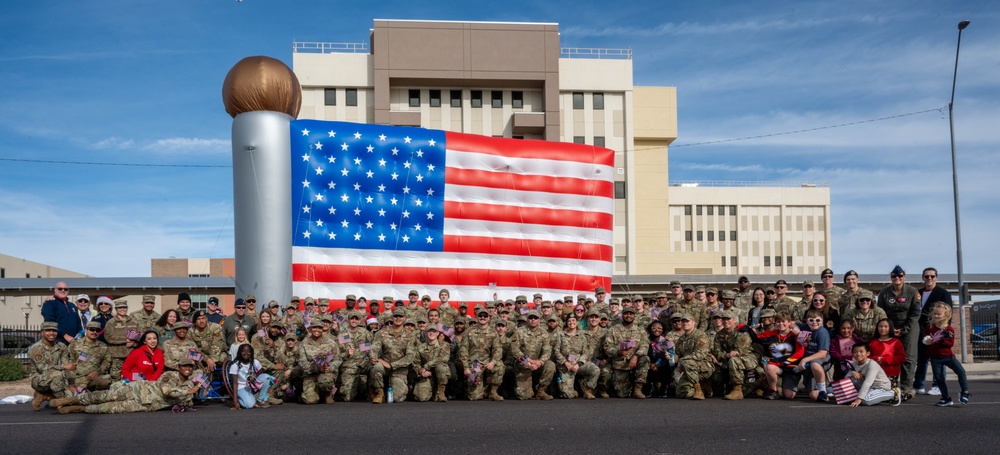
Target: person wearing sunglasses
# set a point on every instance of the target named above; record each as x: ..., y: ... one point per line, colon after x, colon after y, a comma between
x: 931, y: 292
x: 831, y: 316
x: 815, y: 356
x: 93, y: 361
x: 63, y: 312
x: 901, y: 303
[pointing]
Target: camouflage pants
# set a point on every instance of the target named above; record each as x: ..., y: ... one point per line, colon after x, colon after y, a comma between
x: 587, y: 374
x: 525, y: 378
x: 494, y: 378
x: 52, y: 381
x: 314, y: 385
x: 624, y: 381
x: 423, y: 388
x: 397, y: 380
x: 116, y: 368
x: 690, y: 372
x: 604, y: 379
x: 102, y: 382
x: 733, y: 371
x: 352, y: 379
x: 118, y: 400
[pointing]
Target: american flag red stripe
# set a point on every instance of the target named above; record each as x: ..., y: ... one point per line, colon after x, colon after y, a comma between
x: 441, y: 277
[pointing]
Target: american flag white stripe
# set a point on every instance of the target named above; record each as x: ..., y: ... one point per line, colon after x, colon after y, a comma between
x: 543, y: 232
x: 525, y: 166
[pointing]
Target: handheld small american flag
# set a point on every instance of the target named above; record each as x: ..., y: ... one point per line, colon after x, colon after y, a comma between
x: 378, y: 210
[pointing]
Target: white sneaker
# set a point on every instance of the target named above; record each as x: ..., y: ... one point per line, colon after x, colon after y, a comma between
x: 922, y: 391
x: 934, y: 391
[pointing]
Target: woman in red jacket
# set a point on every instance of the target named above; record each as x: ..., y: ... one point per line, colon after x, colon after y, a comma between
x: 145, y: 360
x: 888, y: 351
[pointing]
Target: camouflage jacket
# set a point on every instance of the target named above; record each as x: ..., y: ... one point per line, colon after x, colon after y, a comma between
x: 175, y: 349
x: 210, y: 342
x: 45, y: 357
x: 89, y: 356
x: 428, y: 356
x: 576, y: 345
x: 114, y: 333
x: 535, y: 344
x: 693, y: 346
x: 143, y: 321
x: 318, y: 348
x: 482, y: 344
x: 613, y: 343
x: 357, y: 337
x: 448, y: 314
x: 393, y: 347
x: 725, y: 343
x: 264, y: 349
x: 595, y: 339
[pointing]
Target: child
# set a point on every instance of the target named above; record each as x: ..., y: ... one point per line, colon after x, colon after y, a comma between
x: 250, y: 384
x: 939, y: 340
x: 868, y: 377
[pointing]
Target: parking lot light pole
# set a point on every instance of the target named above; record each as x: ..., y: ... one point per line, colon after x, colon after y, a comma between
x: 954, y: 178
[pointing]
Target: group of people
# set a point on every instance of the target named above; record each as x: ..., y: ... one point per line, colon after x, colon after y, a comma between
x: 691, y: 343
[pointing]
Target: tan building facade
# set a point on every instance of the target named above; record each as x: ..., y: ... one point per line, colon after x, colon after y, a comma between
x: 196, y: 267
x: 514, y: 80
x: 14, y: 310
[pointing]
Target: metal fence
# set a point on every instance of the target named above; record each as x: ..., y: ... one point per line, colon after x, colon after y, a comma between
x: 16, y: 340
x: 984, y: 336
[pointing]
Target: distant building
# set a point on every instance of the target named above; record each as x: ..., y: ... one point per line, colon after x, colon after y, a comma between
x: 197, y: 267
x: 14, y: 309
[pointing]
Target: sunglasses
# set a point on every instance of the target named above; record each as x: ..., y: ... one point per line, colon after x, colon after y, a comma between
x: 927, y: 277
x: 251, y: 301
x: 865, y: 299
x: 819, y: 300
x: 895, y: 276
x: 93, y: 330
x: 814, y: 320
x: 62, y: 289
x: 827, y: 276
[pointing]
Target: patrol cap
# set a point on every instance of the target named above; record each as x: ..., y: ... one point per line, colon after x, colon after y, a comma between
x: 504, y: 310
x: 628, y: 309
x: 421, y: 318
x: 552, y: 317
x: 251, y: 297
x: 600, y: 290
x: 413, y: 292
x: 398, y: 312
x: 185, y: 362
x: 593, y: 312
x: 712, y: 290
x: 293, y: 305
x: 324, y: 301
x: 310, y: 300
x: 728, y: 314
x: 716, y: 314
x: 581, y: 296
x: 679, y: 316
x: 615, y: 301
x: 351, y: 297
x: 179, y: 325
x: 409, y: 321
x: 50, y: 326
x: 463, y: 305
x: 491, y: 304
x: 315, y: 321
x: 546, y: 304
x: 743, y: 278
x: 728, y: 295
x: 480, y: 310
x: 537, y: 295
x: 93, y: 325
x: 675, y: 283
x: 292, y: 336
x: 589, y: 300
x: 461, y: 320
x: 296, y: 298
x: 425, y: 297
x: 499, y: 322
x: 866, y: 294
x: 354, y: 314
x: 808, y: 283
x: 272, y: 304
x: 147, y: 298
x: 433, y: 328
x: 637, y: 297
x: 688, y: 287
x: 520, y: 298
x: 121, y: 303
x: 661, y: 295
x: 569, y: 298
x: 533, y: 313
x: 699, y: 289
x: 276, y: 324
x: 767, y: 313
x: 326, y: 317
x: 387, y: 299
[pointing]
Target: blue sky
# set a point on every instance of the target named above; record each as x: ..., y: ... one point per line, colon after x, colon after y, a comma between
x: 140, y: 82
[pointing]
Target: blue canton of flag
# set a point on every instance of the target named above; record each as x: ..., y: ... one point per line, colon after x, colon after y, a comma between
x: 367, y: 186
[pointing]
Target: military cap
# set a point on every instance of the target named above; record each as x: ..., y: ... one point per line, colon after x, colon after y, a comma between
x: 351, y: 297
x: 589, y: 300
x: 294, y: 305
x: 444, y: 291
x: 398, y: 312
x: 520, y: 298
x: 93, y: 325
x: 699, y: 289
x: 323, y: 301
x: 688, y: 287
x: 826, y: 272
x: 767, y: 313
x: 504, y: 310
x: 808, y: 283
x: 425, y: 297
x: 567, y: 298
x: 727, y: 294
x: 387, y: 298
x: 675, y: 283
x: 150, y: 298
x: 661, y: 295
x: 637, y: 297
x: 292, y: 336
x: 409, y: 321
x: 533, y: 313
x: 463, y: 305
x: 715, y: 314
x: 296, y: 298
x: 897, y: 270
x: 179, y: 325
x: 277, y: 324
x: 198, y: 314
x: 491, y: 304
x: 865, y: 294
x: 239, y: 303
x: 552, y: 317
x: 421, y: 318
x: 185, y: 362
x: 50, y: 326
x: 626, y: 298
x: 316, y: 321
x: 728, y: 314
x: 769, y: 289
x: 537, y: 295
x: 712, y: 290
x: 581, y: 296
x: 251, y: 297
x: 546, y: 304
x: 272, y: 304
x: 326, y: 317
x: 502, y: 322
x: 413, y: 292
x: 615, y: 301
x: 681, y: 316
x: 600, y: 290
x: 742, y: 278
x: 310, y: 300
x: 480, y: 310
x: 780, y: 281
x: 432, y: 328
x: 121, y: 303
x: 461, y: 320
x: 593, y: 312
x: 628, y: 309
x: 355, y: 314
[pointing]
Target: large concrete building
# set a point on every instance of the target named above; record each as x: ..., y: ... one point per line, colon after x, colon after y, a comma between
x: 21, y: 310
x: 515, y: 80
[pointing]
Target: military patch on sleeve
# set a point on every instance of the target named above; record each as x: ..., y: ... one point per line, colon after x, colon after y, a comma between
x: 38, y: 357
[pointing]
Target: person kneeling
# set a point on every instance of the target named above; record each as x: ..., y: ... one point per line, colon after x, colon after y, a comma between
x: 869, y: 379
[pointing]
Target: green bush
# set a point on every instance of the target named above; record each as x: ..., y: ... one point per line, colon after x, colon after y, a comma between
x: 11, y: 369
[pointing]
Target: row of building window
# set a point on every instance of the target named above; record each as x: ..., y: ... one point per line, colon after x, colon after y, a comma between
x: 598, y: 140
x: 350, y: 97
x: 767, y: 261
x: 598, y: 99
x: 711, y: 235
x: 710, y: 209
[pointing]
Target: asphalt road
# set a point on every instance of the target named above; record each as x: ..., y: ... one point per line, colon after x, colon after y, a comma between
x: 667, y: 426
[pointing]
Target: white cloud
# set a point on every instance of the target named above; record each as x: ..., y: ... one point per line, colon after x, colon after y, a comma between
x: 114, y: 142
x: 189, y: 145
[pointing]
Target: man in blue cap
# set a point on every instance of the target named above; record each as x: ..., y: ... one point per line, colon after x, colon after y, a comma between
x: 901, y: 303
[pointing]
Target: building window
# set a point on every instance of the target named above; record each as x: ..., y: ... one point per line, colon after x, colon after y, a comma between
x: 517, y: 100
x: 711, y: 210
x: 767, y: 261
x: 711, y: 236
x: 687, y: 236
x: 722, y: 236
x: 599, y: 141
x: 414, y: 98
x: 777, y: 261
x: 456, y: 98
x: 496, y: 98
x: 687, y: 210
x: 723, y: 261
x: 788, y: 261
x: 722, y: 210
x: 700, y: 235
x: 3, y: 272
x: 732, y: 210
x: 732, y: 236
x: 435, y: 98
x: 577, y: 100
x: 598, y: 101
x: 330, y: 96
x: 352, y: 96
x: 477, y: 98
x: 579, y: 140
x: 619, y: 190
x: 732, y: 261
x: 697, y: 209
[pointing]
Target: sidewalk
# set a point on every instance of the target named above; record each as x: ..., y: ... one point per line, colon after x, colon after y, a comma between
x: 982, y: 370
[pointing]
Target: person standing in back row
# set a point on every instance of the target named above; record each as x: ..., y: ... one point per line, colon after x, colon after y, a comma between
x: 901, y: 304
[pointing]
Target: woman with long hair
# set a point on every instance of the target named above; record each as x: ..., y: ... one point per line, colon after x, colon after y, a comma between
x: 145, y: 362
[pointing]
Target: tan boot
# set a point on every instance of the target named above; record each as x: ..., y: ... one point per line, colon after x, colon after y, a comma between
x: 736, y: 394
x: 706, y: 388
x: 698, y: 394
x: 637, y: 393
x: 72, y: 409
x: 65, y: 401
x: 603, y: 393
x: 379, y: 397
x: 274, y: 400
x: 329, y: 399
x: 588, y: 393
x: 39, y: 398
x: 494, y: 395
x: 541, y: 395
x: 440, y: 396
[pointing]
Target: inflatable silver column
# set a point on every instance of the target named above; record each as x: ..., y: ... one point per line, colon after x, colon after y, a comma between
x: 263, y: 96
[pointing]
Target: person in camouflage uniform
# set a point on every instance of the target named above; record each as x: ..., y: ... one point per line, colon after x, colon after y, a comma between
x: 626, y: 346
x: 172, y: 388
x: 865, y: 315
x: 694, y: 361
x: 849, y: 298
x: 207, y: 336
x: 320, y: 363
x: 573, y: 356
x: 692, y: 307
x: 595, y: 340
x: 388, y: 306
x: 735, y: 356
x: 179, y: 347
x: 115, y: 333
x: 48, y: 370
x: 391, y: 357
x: 430, y: 363
x: 92, y: 360
x: 534, y: 363
x: 292, y: 320
x: 830, y: 290
x: 350, y: 304
x: 743, y: 294
x: 448, y: 312
x: 288, y: 373
x: 783, y: 302
x: 511, y: 343
x: 729, y: 304
x: 481, y: 355
x: 265, y: 351
x: 146, y: 318
x: 185, y: 312
x: 356, y: 362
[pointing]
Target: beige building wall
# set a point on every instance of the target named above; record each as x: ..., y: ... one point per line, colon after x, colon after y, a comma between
x: 13, y: 309
x: 655, y: 128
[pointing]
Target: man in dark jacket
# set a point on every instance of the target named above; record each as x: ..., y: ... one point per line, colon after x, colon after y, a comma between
x: 929, y: 295
x: 901, y: 303
x: 60, y: 310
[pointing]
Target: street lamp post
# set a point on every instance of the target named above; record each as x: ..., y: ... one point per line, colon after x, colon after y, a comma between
x: 954, y: 178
